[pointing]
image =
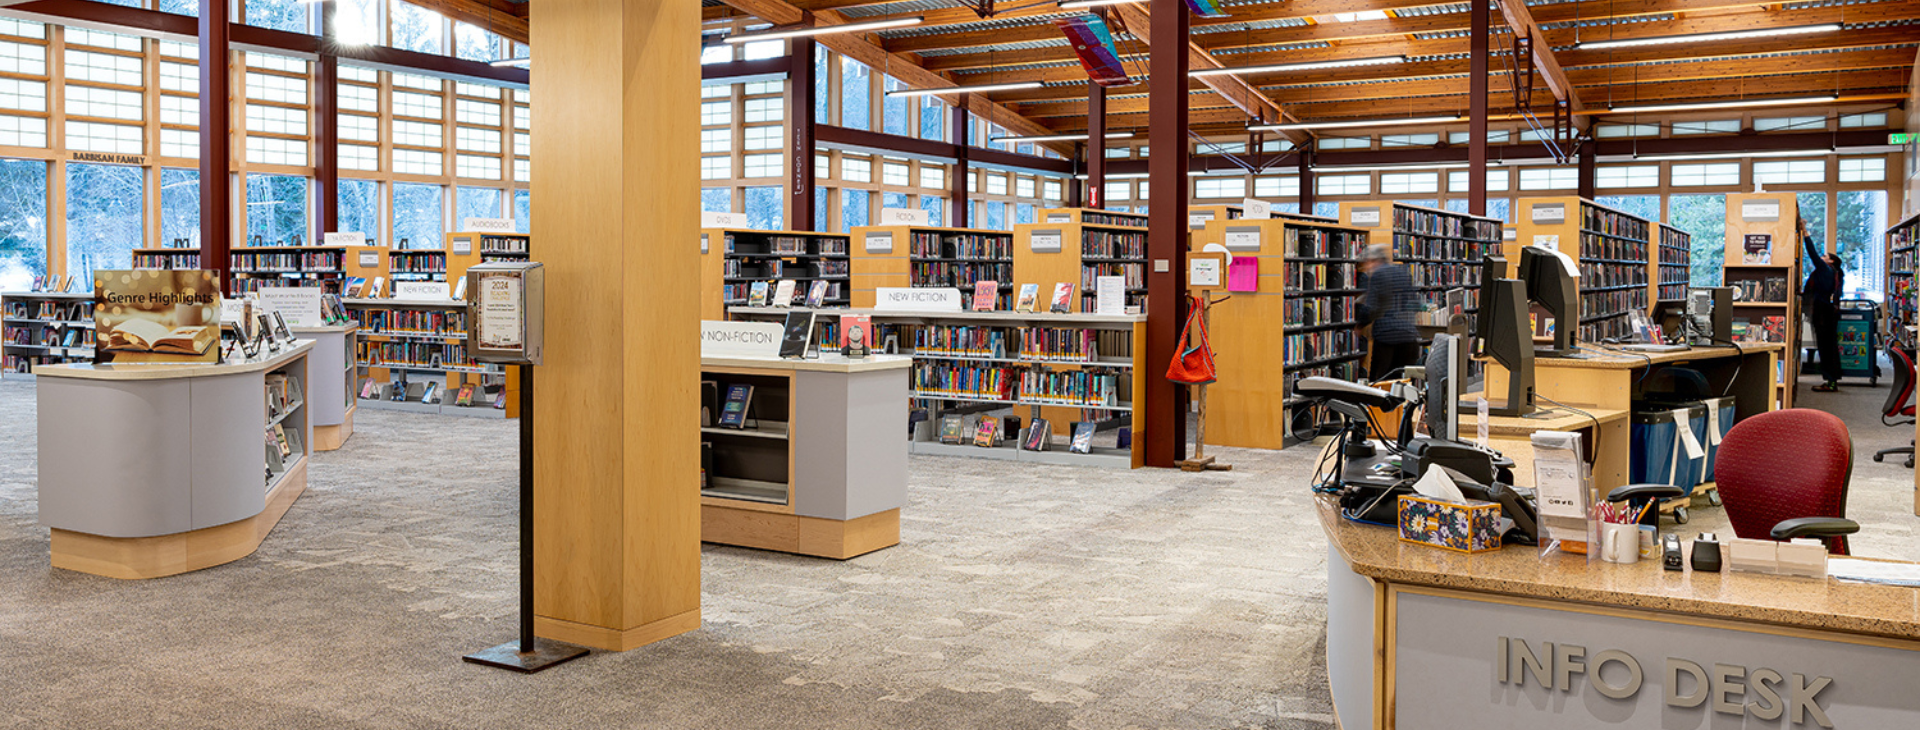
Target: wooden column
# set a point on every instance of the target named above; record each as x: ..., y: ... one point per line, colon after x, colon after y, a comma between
x: 617, y: 544
x: 957, y: 198
x: 1588, y: 170
x: 216, y: 149
x: 1096, y: 146
x: 326, y: 130
x: 800, y: 88
x: 1164, y: 413
x: 1480, y: 25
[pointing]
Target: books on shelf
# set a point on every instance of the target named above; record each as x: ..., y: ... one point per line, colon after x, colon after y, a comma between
x: 733, y: 411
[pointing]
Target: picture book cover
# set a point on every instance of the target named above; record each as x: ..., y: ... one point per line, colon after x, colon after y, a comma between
x: 985, y: 294
x: 856, y: 335
x: 1029, y: 298
x: 798, y: 332
x: 817, y: 294
x: 377, y: 288
x: 1759, y: 249
x: 1776, y: 328
x: 465, y: 396
x: 1062, y: 298
x: 758, y: 295
x: 353, y: 285
x: 988, y: 434
x: 783, y: 293
x: 733, y: 413
x: 156, y: 316
x: 1039, y: 436
x: 1082, y: 438
x: 953, y: 430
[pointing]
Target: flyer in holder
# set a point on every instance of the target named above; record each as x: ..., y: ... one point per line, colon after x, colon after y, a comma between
x: 1563, y: 487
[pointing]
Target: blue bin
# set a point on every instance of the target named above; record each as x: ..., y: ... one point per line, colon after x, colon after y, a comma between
x: 1659, y: 454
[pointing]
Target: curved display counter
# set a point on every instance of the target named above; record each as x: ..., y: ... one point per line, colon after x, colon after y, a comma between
x: 332, y: 399
x: 1419, y: 637
x: 155, y: 470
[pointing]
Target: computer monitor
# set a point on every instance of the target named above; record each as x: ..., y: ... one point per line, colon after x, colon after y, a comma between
x: 1505, y: 337
x: 1443, y: 375
x: 1709, y: 318
x: 1551, y: 285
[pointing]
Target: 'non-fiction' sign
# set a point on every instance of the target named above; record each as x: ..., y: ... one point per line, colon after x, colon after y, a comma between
x: 740, y: 339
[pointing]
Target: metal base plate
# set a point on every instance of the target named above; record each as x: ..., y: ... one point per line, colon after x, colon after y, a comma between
x: 545, y: 654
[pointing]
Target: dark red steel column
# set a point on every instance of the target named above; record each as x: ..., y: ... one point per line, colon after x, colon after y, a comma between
x: 1164, y: 416
x: 1589, y: 168
x: 1480, y: 25
x: 1096, y: 146
x: 326, y: 129
x: 801, y: 90
x: 957, y: 199
x: 1303, y: 159
x: 216, y: 186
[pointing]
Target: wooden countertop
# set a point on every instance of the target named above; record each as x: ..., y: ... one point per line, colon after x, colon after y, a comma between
x: 167, y: 371
x: 1831, y: 605
x: 1560, y: 420
x: 1597, y: 359
x: 826, y: 363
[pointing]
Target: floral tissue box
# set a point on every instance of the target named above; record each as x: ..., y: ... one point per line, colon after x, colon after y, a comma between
x: 1472, y: 527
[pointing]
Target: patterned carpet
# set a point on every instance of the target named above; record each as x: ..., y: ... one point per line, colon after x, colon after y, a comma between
x: 1044, y: 597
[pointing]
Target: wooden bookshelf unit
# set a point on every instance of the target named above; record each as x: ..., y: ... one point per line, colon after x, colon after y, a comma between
x: 1441, y: 249
x: 406, y: 345
x: 930, y: 256
x: 1613, y: 250
x: 1299, y: 314
x: 732, y: 260
x: 1671, y: 268
x: 44, y: 328
x: 1078, y: 245
x: 1901, y: 299
x: 1763, y: 257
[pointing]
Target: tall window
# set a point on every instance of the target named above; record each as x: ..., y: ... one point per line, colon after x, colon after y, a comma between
x: 288, y: 15
x: 106, y: 206
x: 523, y: 210
x: 354, y: 21
x: 934, y: 208
x: 1645, y: 206
x: 475, y: 203
x: 716, y: 200
x: 854, y: 206
x: 418, y: 215
x: 1860, y: 225
x: 766, y: 208
x: 895, y: 111
x: 276, y: 210
x: 23, y: 223
x: 359, y: 209
x: 417, y: 29
x: 474, y: 43
x: 1705, y: 218
x: 856, y: 94
x: 179, y: 207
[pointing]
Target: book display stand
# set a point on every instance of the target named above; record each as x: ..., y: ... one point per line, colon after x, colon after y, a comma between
x: 1077, y: 245
x: 44, y: 328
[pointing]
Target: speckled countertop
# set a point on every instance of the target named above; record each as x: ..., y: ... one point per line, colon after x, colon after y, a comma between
x: 1376, y: 552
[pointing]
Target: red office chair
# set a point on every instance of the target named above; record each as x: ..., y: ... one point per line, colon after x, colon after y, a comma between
x: 1898, y: 410
x: 1784, y: 474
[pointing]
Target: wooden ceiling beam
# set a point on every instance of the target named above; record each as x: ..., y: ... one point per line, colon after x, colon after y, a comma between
x: 498, y: 16
x: 1524, y: 26
x: 970, y: 38
x: 1256, y: 105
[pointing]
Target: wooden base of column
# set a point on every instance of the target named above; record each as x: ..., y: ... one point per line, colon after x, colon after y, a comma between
x: 134, y: 558
x: 608, y: 639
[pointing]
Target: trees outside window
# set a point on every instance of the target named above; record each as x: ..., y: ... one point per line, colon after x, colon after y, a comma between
x: 1705, y: 218
x: 106, y: 217
x: 359, y: 210
x: 419, y: 215
x: 179, y: 207
x: 277, y: 210
x: 23, y: 223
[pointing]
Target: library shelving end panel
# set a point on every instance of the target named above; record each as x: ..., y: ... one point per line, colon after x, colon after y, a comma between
x: 1246, y: 406
x: 881, y: 256
x: 1048, y: 254
x: 1762, y: 252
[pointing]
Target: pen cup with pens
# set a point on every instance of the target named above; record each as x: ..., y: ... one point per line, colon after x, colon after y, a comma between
x: 1622, y: 536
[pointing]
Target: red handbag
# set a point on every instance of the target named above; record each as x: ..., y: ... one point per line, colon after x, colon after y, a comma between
x: 1193, y: 356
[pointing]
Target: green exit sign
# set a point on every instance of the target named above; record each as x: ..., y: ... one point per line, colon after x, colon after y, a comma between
x: 1899, y: 138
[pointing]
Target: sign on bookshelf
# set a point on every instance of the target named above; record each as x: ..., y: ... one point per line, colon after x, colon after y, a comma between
x: 488, y: 225
x: 370, y: 258
x: 879, y: 242
x: 1549, y: 213
x: 903, y: 217
x: 344, y: 238
x: 1367, y: 216
x: 1044, y: 241
x: 1243, y: 238
x: 715, y: 219
x: 912, y: 299
x: 1256, y: 210
x: 1760, y: 210
x: 420, y: 290
x: 742, y: 339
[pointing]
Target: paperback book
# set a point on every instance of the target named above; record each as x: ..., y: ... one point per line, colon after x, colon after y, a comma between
x: 1029, y: 297
x: 953, y: 430
x: 817, y: 294
x: 988, y: 434
x: 799, y: 331
x: 1062, y: 298
x: 783, y: 293
x: 985, y: 292
x: 733, y: 414
x: 856, y: 335
x: 758, y: 295
x: 1082, y: 438
x: 1039, y: 436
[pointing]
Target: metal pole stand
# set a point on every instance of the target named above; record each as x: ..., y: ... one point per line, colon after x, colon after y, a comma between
x: 529, y: 654
x: 1201, y: 461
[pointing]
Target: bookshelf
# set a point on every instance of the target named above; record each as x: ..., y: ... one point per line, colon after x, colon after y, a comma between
x: 1612, y: 249
x: 1066, y: 368
x: 1762, y: 264
x: 732, y: 260
x: 929, y: 256
x: 487, y: 247
x: 254, y: 267
x: 1901, y: 298
x: 44, y: 328
x: 1299, y: 314
x: 1078, y: 245
x: 406, y: 347
x: 1441, y: 249
x: 1671, y: 268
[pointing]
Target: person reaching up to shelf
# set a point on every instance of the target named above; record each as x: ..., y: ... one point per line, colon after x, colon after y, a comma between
x: 1389, y: 305
x: 1821, y: 297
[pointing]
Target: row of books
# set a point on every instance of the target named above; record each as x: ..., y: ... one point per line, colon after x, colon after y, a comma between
x: 436, y: 322
x: 1309, y: 347
x: 1673, y: 256
x: 1112, y: 245
x: 1612, y: 249
x: 493, y: 243
x: 50, y: 310
x: 961, y: 275
x: 786, y: 245
x: 419, y: 262
x: 1317, y: 311
x: 430, y: 355
x: 167, y: 261
x: 1671, y: 237
x: 1416, y: 248
x: 1770, y: 329
x: 1673, y: 292
x: 992, y: 382
x: 1602, y: 275
x: 1595, y: 305
x: 1080, y: 388
x: 1611, y: 328
x: 283, y: 394
x: 313, y: 260
x: 783, y: 293
x: 430, y: 391
x: 781, y: 268
x: 1436, y: 223
x: 972, y: 246
x: 1317, y: 244
x: 1136, y: 275
x: 1073, y: 344
x: 250, y: 285
x: 1769, y: 289
x: 1448, y: 275
x: 48, y: 336
x: 58, y: 284
x: 1099, y: 218
x: 1601, y: 220
x: 1317, y: 277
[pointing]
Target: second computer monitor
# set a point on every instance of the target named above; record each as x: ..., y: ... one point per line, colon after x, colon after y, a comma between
x: 1551, y: 285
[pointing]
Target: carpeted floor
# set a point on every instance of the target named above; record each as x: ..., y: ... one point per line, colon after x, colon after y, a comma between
x: 1043, y: 597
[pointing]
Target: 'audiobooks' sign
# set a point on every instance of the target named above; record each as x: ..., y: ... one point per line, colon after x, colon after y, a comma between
x: 740, y: 339
x: 488, y: 225
x: 905, y: 299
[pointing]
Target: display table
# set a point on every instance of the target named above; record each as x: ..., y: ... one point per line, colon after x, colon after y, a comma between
x: 1419, y: 638
x: 820, y: 468
x: 154, y: 470
x: 332, y: 399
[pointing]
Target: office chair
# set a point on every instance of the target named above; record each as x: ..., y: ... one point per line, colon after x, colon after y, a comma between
x: 1784, y: 474
x: 1898, y: 411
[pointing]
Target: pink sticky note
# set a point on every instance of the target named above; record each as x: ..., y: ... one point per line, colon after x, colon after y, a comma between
x: 1243, y: 274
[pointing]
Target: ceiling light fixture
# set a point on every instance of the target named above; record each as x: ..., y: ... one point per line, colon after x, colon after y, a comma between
x: 1116, y: 176
x: 1010, y: 86
x: 1308, y: 66
x: 1084, y: 4
x: 1061, y: 137
x: 1701, y: 106
x: 1703, y: 37
x: 824, y: 30
x: 1731, y: 155
x: 1356, y: 123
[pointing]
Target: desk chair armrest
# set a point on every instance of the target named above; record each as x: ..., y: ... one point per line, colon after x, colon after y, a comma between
x: 1632, y: 492
x: 1814, y: 527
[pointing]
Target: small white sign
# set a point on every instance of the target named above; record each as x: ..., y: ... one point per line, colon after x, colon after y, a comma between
x: 712, y: 219
x: 501, y: 317
x: 749, y: 339
x: 1760, y: 210
x: 913, y: 299
x: 347, y: 238
x: 1110, y: 295
x: 1199, y: 220
x: 903, y: 217
x: 370, y: 258
x: 488, y: 225
x: 462, y: 245
x: 1366, y: 216
x: 1243, y: 238
x: 1044, y: 241
x: 1059, y: 218
x: 703, y: 243
x: 879, y: 242
x: 1203, y: 272
x: 298, y: 305
x: 1550, y: 213
x: 1256, y: 210
x: 420, y: 290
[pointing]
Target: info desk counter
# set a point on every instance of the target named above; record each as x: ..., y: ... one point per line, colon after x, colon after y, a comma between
x: 1421, y: 638
x: 154, y: 470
